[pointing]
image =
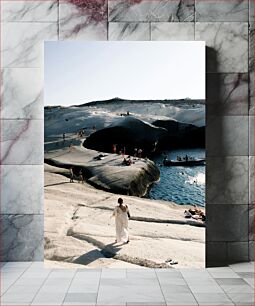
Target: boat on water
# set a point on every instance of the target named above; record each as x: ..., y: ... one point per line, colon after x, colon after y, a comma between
x: 184, y: 162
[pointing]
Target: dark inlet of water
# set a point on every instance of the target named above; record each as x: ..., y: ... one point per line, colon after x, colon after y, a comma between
x: 182, y: 185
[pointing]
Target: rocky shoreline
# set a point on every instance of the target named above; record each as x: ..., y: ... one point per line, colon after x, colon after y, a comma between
x: 78, y: 229
x: 108, y: 173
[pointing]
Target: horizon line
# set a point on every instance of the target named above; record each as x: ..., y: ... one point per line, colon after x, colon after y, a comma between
x: 126, y: 99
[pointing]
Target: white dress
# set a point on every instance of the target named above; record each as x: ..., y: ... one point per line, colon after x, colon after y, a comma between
x: 121, y: 222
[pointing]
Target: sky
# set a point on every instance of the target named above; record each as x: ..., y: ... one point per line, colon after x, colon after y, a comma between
x: 77, y: 72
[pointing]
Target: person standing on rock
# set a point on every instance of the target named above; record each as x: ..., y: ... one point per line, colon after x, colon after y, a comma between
x: 71, y: 175
x: 121, y: 214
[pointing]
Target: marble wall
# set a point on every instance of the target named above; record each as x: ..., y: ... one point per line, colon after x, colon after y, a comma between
x: 228, y: 29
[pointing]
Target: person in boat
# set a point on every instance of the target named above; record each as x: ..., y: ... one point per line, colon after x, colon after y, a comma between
x: 122, y: 215
x: 114, y: 148
x: 135, y: 152
x: 140, y: 152
x: 186, y: 158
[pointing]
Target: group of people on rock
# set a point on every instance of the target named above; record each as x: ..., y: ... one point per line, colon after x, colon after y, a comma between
x: 138, y: 152
x: 80, y: 175
x: 195, y: 213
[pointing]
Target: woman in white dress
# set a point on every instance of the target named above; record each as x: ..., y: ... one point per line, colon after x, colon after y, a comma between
x: 121, y: 214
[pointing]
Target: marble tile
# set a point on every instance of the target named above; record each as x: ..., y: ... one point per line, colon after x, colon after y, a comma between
x: 251, y: 250
x: 227, y: 223
x: 45, y: 298
x: 227, y: 135
x: 22, y: 297
x: 172, y: 31
x: 180, y: 299
x: 129, y: 31
x: 22, y: 237
x: 227, y: 180
x: 227, y: 94
x: 242, y: 299
x: 23, y: 43
x: 251, y: 135
x: 213, y: 299
x: 22, y: 189
x: 151, y: 10
x: 22, y: 142
x: 234, y: 10
x: 243, y: 267
x: 251, y: 10
x: 250, y: 280
x: 251, y: 47
x: 81, y: 297
x: 144, y: 294
x: 251, y: 69
x: 167, y: 289
x: 229, y: 42
x: 143, y: 274
x: 22, y: 93
x: 238, y: 251
x: 83, y: 20
x: 23, y: 10
x: 111, y: 295
x: 251, y: 222
x: 113, y: 273
x: 251, y: 93
x: 251, y: 180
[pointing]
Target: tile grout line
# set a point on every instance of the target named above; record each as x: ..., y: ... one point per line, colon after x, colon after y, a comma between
x: 98, y: 286
x: 160, y: 287
x: 41, y: 287
x: 226, y: 292
x: 14, y: 281
x: 69, y: 286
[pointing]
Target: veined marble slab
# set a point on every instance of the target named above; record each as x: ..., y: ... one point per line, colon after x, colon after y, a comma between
x: 151, y: 10
x: 172, y: 31
x: 23, y: 10
x: 251, y: 250
x: 227, y: 94
x: 216, y: 252
x: 83, y: 20
x: 227, y: 180
x: 251, y: 136
x: 238, y: 251
x: 251, y: 68
x: 22, y: 93
x: 251, y: 217
x: 229, y: 41
x: 234, y: 10
x: 22, y: 142
x: 251, y: 180
x: 129, y: 31
x: 227, y: 136
x: 224, y: 220
x: 22, y: 43
x: 251, y: 10
x: 22, y: 237
x: 21, y: 189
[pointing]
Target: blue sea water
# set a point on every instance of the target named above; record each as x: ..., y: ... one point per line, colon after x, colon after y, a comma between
x: 182, y: 185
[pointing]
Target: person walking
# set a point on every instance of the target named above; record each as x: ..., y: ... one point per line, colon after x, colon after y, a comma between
x: 121, y: 214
